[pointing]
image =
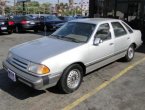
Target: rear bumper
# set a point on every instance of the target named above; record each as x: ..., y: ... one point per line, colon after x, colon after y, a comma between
x: 6, y: 28
x: 30, y: 27
x: 3, y: 28
x: 36, y: 82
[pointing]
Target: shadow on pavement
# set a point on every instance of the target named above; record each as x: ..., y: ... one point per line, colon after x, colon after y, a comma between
x: 18, y: 90
x: 141, y: 49
x: 4, y: 34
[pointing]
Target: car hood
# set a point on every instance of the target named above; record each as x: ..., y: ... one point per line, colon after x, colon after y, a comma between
x: 41, y: 49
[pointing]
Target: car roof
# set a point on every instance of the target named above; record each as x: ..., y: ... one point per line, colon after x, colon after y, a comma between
x: 94, y: 20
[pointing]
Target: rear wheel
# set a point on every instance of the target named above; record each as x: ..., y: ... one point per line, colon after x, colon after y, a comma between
x: 130, y: 53
x: 71, y: 78
x: 10, y: 31
x: 36, y: 30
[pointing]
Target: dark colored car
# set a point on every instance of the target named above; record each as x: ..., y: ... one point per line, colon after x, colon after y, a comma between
x: 49, y: 22
x: 65, y: 19
x: 24, y: 23
x: 6, y: 25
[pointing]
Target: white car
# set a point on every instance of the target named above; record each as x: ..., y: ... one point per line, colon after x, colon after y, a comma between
x: 77, y: 48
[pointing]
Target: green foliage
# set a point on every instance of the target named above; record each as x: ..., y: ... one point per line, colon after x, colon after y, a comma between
x: 31, y: 8
x: 35, y: 7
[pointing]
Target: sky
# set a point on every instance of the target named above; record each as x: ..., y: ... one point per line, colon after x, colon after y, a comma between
x: 11, y: 2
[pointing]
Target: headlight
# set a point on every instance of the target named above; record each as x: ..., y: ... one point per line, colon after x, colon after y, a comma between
x: 38, y: 69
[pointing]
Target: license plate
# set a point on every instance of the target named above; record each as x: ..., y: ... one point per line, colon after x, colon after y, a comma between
x: 12, y: 75
x: 3, y: 28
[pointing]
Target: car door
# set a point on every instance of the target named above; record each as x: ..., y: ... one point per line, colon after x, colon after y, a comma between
x: 122, y: 38
x: 98, y: 54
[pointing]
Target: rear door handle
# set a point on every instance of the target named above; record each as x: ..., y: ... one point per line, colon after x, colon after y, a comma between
x: 128, y: 38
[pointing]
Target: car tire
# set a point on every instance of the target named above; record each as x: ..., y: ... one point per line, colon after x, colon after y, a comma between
x: 36, y: 30
x: 10, y: 31
x: 130, y: 53
x: 71, y: 79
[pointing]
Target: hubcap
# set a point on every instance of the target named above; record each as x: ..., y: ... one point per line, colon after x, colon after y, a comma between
x: 73, y: 78
x: 130, y: 53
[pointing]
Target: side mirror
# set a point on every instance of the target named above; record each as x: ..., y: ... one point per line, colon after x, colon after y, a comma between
x: 97, y: 41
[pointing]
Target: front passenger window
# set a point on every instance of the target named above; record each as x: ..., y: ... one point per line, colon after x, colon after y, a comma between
x: 103, y: 32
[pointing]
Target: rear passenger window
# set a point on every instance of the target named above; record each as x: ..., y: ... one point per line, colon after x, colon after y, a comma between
x: 118, y: 29
x: 128, y: 28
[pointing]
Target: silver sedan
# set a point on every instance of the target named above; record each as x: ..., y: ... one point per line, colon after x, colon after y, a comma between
x: 77, y: 48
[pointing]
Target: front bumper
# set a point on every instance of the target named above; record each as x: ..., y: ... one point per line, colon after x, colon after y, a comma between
x: 36, y: 82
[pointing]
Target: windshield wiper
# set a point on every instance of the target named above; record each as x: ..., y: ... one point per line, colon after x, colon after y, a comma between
x: 56, y: 36
x: 66, y: 38
x: 72, y: 39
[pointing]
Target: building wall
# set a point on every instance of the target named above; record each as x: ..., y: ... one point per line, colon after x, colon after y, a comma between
x: 116, y: 5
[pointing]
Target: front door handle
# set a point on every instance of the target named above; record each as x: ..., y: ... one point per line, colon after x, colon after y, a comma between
x: 111, y: 43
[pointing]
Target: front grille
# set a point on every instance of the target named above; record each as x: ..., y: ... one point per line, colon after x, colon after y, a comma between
x: 19, y: 63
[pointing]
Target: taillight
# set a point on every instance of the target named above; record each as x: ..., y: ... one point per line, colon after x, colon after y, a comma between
x: 11, y: 23
x: 24, y: 22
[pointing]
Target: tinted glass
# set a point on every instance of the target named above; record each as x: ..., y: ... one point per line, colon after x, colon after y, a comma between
x: 78, y: 31
x: 52, y: 18
x: 103, y: 32
x: 118, y: 29
x: 128, y: 28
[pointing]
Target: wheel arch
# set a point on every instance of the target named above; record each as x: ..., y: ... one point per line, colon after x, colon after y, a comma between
x: 134, y: 45
x: 79, y: 63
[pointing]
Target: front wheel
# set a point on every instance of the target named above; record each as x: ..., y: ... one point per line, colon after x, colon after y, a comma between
x: 71, y: 78
x: 130, y: 53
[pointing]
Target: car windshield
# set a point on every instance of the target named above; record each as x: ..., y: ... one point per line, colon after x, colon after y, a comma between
x: 69, y: 18
x: 75, y: 32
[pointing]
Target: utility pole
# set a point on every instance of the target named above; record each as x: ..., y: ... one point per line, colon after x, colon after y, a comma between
x: 115, y: 10
x: 24, y: 9
x: 14, y: 6
x: 82, y: 7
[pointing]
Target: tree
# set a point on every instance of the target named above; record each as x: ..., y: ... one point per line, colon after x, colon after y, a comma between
x: 45, y: 7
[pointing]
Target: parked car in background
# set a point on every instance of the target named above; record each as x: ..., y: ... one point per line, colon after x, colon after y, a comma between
x: 34, y: 16
x: 49, y: 22
x: 65, y: 19
x: 63, y: 59
x: 6, y: 25
x: 24, y: 22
